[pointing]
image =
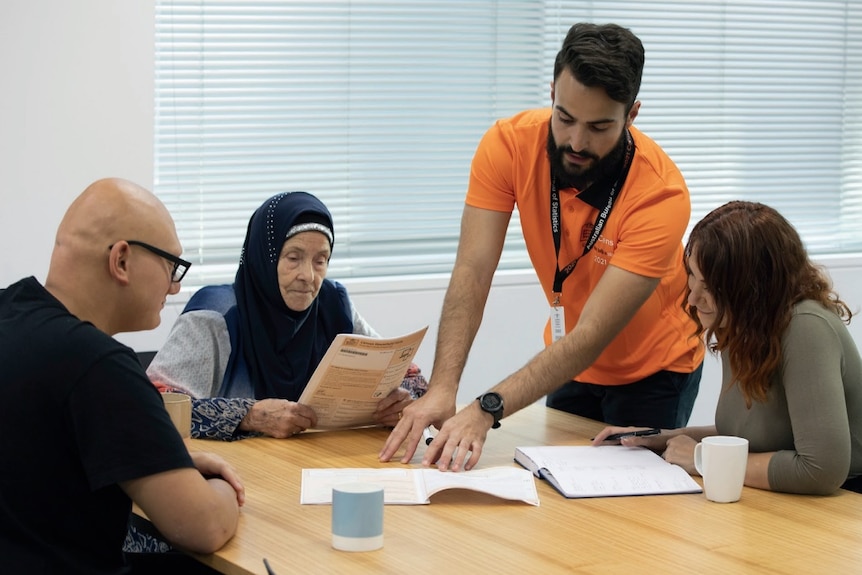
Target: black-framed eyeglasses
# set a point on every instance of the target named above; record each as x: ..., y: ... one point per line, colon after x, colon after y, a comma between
x: 181, y: 266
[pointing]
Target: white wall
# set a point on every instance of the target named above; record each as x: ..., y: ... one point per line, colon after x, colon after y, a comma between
x: 77, y: 105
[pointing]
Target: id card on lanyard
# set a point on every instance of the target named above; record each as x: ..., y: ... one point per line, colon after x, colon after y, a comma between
x: 558, y: 313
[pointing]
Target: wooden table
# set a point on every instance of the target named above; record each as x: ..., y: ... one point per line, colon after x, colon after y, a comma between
x: 467, y: 532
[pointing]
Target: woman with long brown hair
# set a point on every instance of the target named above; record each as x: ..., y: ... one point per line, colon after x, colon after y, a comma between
x: 792, y: 375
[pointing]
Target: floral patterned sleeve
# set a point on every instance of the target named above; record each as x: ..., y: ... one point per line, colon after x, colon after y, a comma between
x: 219, y: 418
x: 414, y: 382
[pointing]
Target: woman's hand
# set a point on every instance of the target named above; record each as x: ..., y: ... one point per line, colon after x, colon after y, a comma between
x: 656, y: 443
x: 278, y: 418
x: 389, y: 408
x: 680, y: 450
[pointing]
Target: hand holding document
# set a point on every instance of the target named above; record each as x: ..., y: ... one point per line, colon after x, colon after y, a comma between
x: 355, y: 373
x: 406, y: 486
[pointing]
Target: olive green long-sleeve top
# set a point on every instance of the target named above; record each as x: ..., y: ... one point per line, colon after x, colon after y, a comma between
x: 812, y: 416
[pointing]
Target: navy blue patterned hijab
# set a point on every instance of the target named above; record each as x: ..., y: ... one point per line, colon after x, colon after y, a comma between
x: 281, y: 347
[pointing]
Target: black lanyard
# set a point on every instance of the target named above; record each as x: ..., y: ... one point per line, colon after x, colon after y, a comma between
x: 556, y: 225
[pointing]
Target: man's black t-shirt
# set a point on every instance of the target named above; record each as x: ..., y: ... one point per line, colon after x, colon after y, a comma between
x: 77, y: 416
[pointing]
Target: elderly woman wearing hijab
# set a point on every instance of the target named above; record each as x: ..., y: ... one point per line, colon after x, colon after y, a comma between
x: 246, y: 351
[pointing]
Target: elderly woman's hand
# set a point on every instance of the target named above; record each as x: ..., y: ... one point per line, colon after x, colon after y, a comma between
x: 389, y: 408
x: 278, y: 418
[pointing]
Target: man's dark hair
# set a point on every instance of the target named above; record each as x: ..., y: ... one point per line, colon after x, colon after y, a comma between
x: 603, y: 55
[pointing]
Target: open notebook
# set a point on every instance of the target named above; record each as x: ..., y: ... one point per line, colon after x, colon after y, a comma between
x: 605, y: 471
x: 410, y: 486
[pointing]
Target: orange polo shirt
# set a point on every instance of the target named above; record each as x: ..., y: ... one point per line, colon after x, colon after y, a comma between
x: 643, y: 235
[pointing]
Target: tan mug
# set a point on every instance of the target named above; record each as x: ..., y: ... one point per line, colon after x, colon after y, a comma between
x: 179, y: 407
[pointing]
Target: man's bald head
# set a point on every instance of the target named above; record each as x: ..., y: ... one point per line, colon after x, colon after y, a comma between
x: 114, y: 209
x: 84, y: 273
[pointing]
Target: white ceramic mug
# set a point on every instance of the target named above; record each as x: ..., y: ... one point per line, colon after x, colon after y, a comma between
x: 721, y: 460
x: 357, y: 517
x: 179, y: 407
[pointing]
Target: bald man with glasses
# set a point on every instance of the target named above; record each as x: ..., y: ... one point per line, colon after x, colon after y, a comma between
x: 84, y: 432
x: 180, y: 266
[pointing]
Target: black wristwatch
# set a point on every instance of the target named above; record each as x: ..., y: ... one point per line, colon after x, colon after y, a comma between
x: 492, y: 402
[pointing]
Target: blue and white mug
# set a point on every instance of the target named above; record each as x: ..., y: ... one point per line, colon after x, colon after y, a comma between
x: 357, y: 517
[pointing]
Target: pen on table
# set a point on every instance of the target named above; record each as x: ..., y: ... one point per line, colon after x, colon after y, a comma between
x: 428, y: 435
x: 268, y: 568
x: 640, y: 433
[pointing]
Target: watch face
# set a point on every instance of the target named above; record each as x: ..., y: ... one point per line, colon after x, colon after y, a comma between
x: 492, y: 401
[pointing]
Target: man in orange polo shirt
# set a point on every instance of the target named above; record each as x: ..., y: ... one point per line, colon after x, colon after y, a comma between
x: 603, y: 211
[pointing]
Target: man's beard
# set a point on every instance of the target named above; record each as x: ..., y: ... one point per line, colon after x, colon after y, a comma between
x: 600, y: 169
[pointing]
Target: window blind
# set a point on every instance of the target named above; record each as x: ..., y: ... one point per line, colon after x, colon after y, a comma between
x: 376, y: 107
x: 755, y: 100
